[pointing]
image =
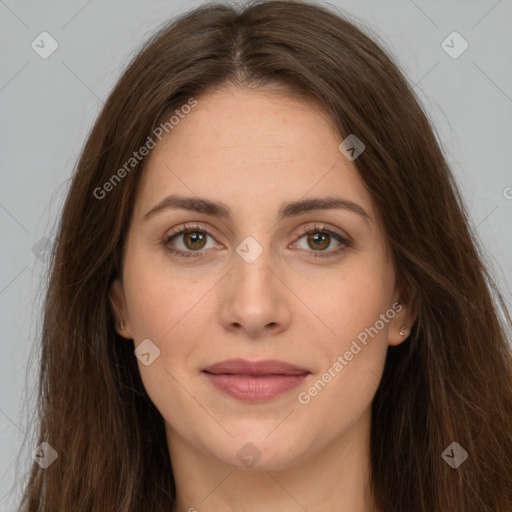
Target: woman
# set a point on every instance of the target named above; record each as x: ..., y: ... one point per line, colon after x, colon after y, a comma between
x: 265, y: 292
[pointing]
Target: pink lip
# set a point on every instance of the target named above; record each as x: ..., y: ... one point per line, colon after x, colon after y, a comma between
x: 254, y: 381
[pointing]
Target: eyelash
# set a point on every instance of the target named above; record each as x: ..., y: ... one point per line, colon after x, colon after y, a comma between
x: 345, y: 243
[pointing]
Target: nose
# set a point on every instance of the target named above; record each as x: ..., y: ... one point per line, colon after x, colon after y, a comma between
x: 254, y: 298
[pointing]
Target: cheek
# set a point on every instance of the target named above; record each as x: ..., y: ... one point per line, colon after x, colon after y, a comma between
x: 354, y: 351
x: 158, y: 297
x: 170, y: 311
x: 167, y: 307
x: 354, y: 302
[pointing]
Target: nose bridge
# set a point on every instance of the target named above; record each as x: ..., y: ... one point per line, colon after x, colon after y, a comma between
x: 252, y: 296
x: 253, y: 262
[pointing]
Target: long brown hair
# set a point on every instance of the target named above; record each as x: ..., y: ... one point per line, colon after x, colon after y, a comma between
x: 451, y: 381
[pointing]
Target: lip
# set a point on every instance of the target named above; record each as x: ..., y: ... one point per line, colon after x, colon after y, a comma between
x: 244, y: 367
x: 257, y: 381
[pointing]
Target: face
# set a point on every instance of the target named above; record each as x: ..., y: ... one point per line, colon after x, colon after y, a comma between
x: 257, y: 281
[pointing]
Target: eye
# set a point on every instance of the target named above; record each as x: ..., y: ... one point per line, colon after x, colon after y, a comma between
x: 320, y: 238
x: 194, y: 241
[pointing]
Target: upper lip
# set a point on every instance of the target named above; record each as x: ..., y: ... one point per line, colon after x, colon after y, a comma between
x: 243, y: 367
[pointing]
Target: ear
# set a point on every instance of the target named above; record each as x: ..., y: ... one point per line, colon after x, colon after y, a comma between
x: 119, y: 309
x: 405, y: 316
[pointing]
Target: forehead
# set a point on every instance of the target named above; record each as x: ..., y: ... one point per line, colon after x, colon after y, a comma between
x: 239, y: 123
x: 251, y: 148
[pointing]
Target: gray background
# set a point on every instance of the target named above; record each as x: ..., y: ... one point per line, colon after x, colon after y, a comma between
x: 48, y: 106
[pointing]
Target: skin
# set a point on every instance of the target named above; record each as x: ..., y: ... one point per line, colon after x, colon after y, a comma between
x: 253, y: 150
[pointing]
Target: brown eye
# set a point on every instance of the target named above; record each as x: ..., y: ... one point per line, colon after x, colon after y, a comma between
x: 190, y: 241
x: 318, y: 240
x: 194, y: 240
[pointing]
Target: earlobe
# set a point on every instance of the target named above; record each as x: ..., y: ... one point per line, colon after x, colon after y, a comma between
x: 400, y: 328
x: 119, y: 310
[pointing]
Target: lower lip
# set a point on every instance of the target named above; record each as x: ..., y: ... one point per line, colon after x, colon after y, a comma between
x: 252, y: 388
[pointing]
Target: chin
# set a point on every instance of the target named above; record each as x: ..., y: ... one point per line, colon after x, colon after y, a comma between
x: 260, y: 452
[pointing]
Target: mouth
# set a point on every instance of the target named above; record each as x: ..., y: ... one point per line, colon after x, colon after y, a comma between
x: 254, y: 381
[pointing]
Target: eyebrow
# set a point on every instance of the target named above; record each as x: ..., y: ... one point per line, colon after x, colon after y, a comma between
x: 287, y: 209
